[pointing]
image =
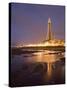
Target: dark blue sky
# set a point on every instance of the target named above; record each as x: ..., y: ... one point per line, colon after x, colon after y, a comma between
x: 29, y: 22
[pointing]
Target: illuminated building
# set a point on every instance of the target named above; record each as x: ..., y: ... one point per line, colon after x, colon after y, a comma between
x: 50, y: 41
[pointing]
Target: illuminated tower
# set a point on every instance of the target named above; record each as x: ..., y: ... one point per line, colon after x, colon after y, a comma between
x: 49, y: 33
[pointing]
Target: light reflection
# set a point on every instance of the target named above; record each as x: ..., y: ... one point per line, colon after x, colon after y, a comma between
x: 48, y: 57
x: 49, y: 69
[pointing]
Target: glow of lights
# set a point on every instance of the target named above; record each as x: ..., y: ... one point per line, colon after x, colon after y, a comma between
x: 45, y: 44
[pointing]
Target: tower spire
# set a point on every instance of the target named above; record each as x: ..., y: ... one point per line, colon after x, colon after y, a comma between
x: 49, y: 33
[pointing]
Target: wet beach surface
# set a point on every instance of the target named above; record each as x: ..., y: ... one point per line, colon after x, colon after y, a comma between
x: 37, y: 68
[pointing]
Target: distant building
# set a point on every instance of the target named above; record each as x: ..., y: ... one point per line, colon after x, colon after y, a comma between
x: 50, y: 41
x: 49, y: 38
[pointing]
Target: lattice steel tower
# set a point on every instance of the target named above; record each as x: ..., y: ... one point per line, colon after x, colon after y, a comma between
x: 49, y: 32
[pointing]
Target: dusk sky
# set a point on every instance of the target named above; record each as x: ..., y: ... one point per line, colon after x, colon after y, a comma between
x: 29, y: 22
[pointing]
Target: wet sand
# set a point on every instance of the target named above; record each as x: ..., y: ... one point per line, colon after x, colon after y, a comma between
x: 35, y: 73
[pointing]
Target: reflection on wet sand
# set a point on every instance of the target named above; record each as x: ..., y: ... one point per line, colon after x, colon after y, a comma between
x: 48, y: 58
x: 49, y: 69
x: 38, y: 68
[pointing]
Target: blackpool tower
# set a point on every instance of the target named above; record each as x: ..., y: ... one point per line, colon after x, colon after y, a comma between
x: 49, y: 32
